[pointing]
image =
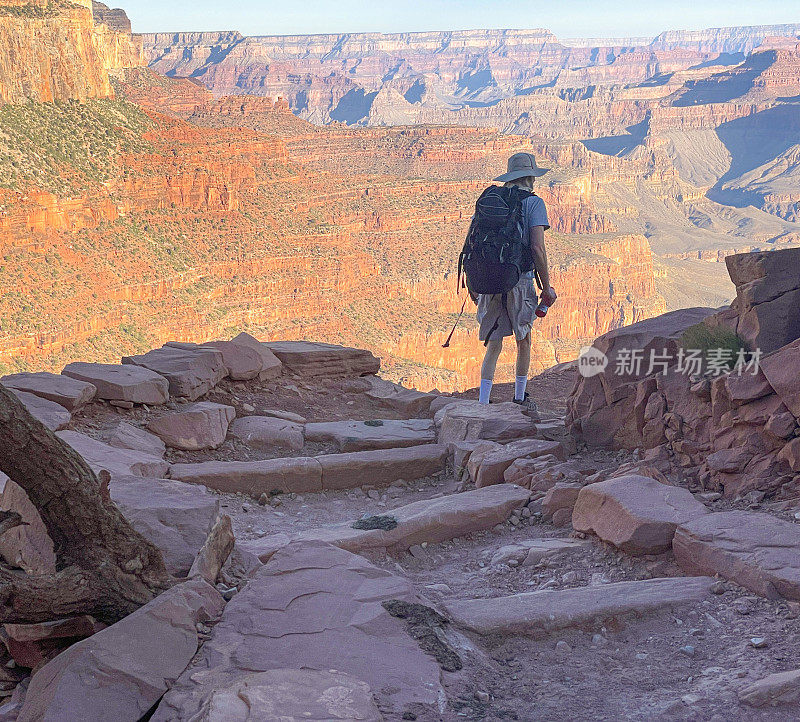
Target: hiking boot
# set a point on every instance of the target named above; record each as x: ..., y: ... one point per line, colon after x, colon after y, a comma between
x: 529, y: 407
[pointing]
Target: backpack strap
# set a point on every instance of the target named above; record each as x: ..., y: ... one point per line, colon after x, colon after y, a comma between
x: 504, y: 301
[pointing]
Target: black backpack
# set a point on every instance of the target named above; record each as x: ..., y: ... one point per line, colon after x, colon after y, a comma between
x: 496, y: 253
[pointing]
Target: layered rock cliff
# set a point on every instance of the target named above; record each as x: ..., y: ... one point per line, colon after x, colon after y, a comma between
x: 53, y: 50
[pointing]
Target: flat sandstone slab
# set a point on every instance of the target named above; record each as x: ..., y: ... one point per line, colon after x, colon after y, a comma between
x: 315, y: 473
x: 299, y: 475
x: 428, y: 520
x: 124, y: 462
x: 69, y: 393
x: 304, y: 358
x: 123, y: 670
x: 121, y: 382
x: 382, y: 467
x: 312, y: 607
x: 757, y: 551
x: 54, y: 416
x: 369, y: 435
x: 470, y: 421
x: 539, y: 613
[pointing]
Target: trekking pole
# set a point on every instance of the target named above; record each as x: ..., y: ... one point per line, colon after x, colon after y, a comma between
x: 446, y: 344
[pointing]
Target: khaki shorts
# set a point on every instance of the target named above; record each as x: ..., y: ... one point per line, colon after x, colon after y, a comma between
x: 516, y: 319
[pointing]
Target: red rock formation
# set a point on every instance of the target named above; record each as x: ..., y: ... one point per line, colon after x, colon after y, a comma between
x: 54, y: 51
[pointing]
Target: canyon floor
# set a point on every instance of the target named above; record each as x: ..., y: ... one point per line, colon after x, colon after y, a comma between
x: 687, y: 660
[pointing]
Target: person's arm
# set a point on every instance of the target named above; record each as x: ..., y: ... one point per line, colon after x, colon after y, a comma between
x: 539, y: 251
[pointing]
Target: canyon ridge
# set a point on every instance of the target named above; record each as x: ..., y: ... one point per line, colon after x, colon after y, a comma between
x: 218, y: 182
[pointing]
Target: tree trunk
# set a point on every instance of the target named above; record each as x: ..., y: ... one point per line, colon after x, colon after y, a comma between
x: 105, y: 567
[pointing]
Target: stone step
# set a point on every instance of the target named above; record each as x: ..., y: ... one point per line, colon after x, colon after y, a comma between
x: 316, y: 473
x: 121, y: 382
x: 308, y: 359
x: 471, y: 421
x: 427, y: 520
x: 757, y: 551
x: 495, y: 463
x: 313, y: 607
x: 377, y: 434
x: 537, y: 614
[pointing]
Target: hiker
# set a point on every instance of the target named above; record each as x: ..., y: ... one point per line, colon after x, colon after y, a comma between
x: 504, y: 252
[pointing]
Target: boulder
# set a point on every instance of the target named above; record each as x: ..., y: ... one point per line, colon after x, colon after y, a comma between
x: 299, y: 475
x: 176, y: 517
x: 294, y: 694
x: 469, y: 421
x: 429, y: 520
x: 54, y: 416
x: 496, y: 462
x: 381, y: 467
x: 770, y: 325
x: 203, y: 425
x: 635, y: 513
x: 757, y: 551
x: 313, y: 607
x: 791, y: 454
x: 29, y: 546
x: 408, y: 403
x: 123, y: 670
x: 191, y: 372
x: 304, y: 358
x: 479, y: 452
x: 782, y: 369
x: 775, y: 689
x: 31, y: 645
x: 439, y: 402
x: 560, y: 497
x: 781, y: 425
x: 609, y: 408
x: 124, y: 462
x: 271, y: 366
x: 538, y: 614
x: 119, y: 382
x: 242, y: 362
x: 377, y: 434
x: 267, y: 432
x: 67, y: 392
x: 127, y: 436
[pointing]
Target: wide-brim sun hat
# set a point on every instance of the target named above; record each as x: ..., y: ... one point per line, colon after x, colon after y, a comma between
x: 521, y: 165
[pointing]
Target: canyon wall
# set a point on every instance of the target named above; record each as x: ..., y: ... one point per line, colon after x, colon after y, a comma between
x: 52, y: 50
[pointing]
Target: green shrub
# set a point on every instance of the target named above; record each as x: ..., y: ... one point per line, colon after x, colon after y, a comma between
x: 704, y: 338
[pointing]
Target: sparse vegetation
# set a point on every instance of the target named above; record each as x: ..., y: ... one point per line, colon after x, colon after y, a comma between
x: 64, y: 147
x: 703, y: 338
x: 36, y: 10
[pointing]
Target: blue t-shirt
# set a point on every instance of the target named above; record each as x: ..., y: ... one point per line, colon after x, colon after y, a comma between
x: 534, y: 214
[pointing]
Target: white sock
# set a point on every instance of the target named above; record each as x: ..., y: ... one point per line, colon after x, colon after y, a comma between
x: 486, y: 390
x: 520, y: 383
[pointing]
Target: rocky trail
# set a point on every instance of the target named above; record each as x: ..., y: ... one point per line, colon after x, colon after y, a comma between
x: 398, y: 555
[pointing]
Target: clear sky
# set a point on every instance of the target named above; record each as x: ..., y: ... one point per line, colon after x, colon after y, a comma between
x: 566, y: 18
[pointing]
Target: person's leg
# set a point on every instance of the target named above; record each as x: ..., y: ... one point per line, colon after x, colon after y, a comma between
x: 523, y: 366
x: 493, y: 349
